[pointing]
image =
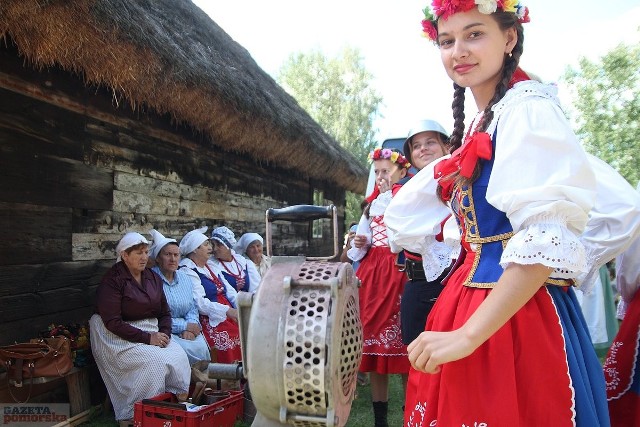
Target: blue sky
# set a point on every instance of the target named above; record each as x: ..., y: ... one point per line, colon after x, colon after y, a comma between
x: 407, y: 68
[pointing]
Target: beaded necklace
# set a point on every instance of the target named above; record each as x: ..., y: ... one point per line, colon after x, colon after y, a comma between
x: 238, y: 276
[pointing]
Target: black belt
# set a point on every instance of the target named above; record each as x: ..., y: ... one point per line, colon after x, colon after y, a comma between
x: 414, y: 270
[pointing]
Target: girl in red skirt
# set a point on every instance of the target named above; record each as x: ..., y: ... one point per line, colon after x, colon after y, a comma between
x: 505, y: 343
x: 382, y: 285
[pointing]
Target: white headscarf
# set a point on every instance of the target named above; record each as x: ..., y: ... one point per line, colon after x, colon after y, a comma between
x: 246, y: 240
x: 192, y: 240
x: 224, y: 236
x: 128, y: 240
x: 159, y: 242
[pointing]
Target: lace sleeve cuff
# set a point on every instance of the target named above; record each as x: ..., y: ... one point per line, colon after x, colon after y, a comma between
x: 436, y: 257
x: 549, y: 244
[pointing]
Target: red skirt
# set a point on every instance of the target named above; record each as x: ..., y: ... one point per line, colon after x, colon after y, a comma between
x: 224, y: 338
x: 518, y: 377
x: 622, y: 370
x: 382, y: 286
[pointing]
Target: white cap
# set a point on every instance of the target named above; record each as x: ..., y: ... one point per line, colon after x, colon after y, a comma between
x: 192, y: 240
x: 246, y: 240
x: 128, y: 240
x: 159, y: 242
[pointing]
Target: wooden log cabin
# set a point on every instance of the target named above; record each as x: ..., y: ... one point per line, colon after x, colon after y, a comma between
x: 120, y: 115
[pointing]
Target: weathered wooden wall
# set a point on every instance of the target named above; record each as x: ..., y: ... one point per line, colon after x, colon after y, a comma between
x: 78, y: 171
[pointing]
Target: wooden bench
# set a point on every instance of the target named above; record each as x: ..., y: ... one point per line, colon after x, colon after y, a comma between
x: 78, y: 387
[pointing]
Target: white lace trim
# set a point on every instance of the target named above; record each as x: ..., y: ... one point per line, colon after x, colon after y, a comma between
x: 549, y: 244
x: 380, y: 203
x: 521, y: 92
x: 436, y: 256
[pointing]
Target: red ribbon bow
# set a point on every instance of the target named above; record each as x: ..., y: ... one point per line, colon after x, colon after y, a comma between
x: 464, y: 159
x: 478, y: 146
x: 442, y: 172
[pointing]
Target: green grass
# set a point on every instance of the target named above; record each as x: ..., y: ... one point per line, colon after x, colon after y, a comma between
x: 361, y: 411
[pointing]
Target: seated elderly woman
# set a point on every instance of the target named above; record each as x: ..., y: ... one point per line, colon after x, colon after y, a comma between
x: 250, y: 246
x: 185, y: 326
x: 214, y: 297
x: 240, y: 273
x: 131, y: 333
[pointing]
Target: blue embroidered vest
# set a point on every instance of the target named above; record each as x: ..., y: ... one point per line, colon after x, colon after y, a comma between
x: 210, y: 288
x: 233, y: 282
x: 487, y: 228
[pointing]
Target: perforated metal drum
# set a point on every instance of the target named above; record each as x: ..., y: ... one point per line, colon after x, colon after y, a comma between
x: 302, y: 343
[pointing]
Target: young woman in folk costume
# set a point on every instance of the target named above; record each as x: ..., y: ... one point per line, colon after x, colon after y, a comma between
x: 426, y: 142
x: 506, y: 343
x: 214, y: 297
x: 382, y: 285
x: 241, y: 273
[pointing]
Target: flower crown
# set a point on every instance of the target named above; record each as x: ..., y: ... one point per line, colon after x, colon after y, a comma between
x: 445, y: 8
x: 394, y: 156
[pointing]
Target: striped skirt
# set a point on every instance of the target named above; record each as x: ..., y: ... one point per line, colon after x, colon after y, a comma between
x: 134, y: 371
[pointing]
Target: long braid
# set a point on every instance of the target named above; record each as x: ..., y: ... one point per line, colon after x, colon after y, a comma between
x: 510, y: 65
x: 455, y: 140
x: 458, y: 117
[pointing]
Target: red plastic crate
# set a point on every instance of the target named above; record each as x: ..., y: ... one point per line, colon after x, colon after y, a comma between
x: 223, y: 413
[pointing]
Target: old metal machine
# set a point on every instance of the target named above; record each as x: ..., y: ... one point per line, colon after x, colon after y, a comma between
x: 301, y: 335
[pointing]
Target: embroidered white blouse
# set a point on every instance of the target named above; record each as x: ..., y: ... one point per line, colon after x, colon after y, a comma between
x: 540, y: 179
x: 245, y: 265
x: 545, y: 182
x: 614, y: 221
x: 377, y: 209
x: 216, y: 311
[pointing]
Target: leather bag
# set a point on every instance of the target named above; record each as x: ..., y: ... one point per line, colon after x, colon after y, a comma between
x: 47, y: 357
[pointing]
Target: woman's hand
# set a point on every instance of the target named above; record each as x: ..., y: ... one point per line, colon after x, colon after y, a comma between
x: 232, y: 314
x: 517, y: 285
x: 347, y: 246
x: 160, y: 339
x: 350, y: 236
x: 194, y: 328
x: 359, y: 240
x: 188, y: 335
x: 432, y: 349
x: 384, y: 185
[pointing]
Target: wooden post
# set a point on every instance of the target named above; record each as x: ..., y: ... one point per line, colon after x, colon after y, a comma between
x: 79, y: 391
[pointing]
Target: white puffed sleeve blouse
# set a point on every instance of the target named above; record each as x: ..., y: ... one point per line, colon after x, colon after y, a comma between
x: 541, y: 180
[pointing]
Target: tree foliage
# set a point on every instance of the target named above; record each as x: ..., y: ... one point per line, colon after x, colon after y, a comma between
x: 337, y: 93
x: 606, y: 96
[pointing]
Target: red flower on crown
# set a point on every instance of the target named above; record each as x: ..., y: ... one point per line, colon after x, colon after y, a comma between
x: 446, y: 8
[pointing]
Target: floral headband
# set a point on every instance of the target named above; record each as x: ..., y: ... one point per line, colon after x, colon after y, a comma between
x: 394, y: 156
x: 445, y: 8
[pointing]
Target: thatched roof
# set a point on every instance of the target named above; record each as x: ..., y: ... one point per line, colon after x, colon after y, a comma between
x: 170, y: 56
